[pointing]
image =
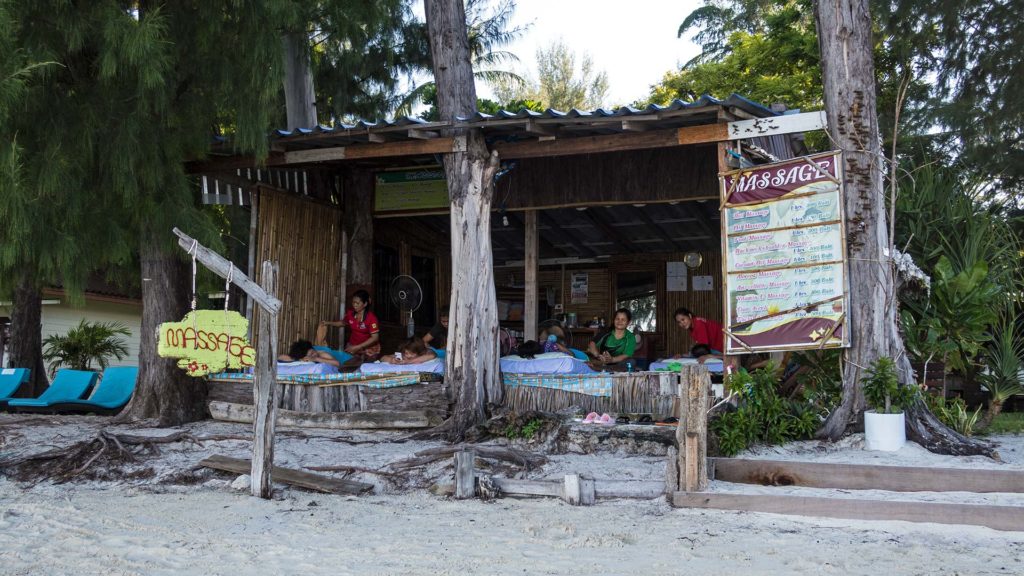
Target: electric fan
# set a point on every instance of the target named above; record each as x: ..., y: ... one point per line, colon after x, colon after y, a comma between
x: 407, y: 295
x: 506, y: 341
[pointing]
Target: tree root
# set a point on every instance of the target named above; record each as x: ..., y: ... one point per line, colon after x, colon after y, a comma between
x: 64, y: 464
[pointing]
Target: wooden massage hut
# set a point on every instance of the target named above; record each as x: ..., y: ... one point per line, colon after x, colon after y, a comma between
x: 622, y: 208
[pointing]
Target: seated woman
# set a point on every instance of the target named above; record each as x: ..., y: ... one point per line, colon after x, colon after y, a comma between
x: 615, y: 348
x: 412, y: 351
x: 362, y: 328
x: 303, y: 351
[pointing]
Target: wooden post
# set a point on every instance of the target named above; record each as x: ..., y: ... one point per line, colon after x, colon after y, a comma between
x: 264, y: 391
x: 672, y: 471
x: 465, y: 478
x: 571, y: 489
x: 344, y: 288
x: 530, y: 262
x: 692, y: 431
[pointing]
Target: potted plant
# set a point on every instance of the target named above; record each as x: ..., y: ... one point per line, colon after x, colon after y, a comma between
x: 86, y: 344
x: 885, y: 425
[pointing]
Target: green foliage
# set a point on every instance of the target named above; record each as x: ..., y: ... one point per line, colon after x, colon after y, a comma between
x: 561, y: 83
x: 1007, y: 423
x: 763, y: 415
x: 762, y: 67
x: 87, y: 343
x: 1002, y: 358
x: 882, y: 390
x: 953, y: 413
x: 821, y: 379
x: 526, y: 431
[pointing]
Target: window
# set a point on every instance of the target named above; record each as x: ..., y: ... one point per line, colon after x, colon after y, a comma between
x: 638, y: 293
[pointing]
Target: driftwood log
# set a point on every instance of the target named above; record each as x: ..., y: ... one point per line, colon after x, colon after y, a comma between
x: 369, y: 420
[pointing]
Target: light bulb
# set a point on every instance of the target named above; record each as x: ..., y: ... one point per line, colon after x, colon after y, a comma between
x: 504, y: 220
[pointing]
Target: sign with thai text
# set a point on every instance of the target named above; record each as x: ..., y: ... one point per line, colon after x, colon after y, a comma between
x: 207, y: 341
x: 411, y: 190
x: 785, y: 256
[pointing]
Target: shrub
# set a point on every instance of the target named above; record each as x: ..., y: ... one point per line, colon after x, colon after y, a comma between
x: 85, y: 344
x: 882, y: 390
x: 763, y: 415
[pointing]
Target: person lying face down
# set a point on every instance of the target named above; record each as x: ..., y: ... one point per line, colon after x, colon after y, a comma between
x: 303, y: 351
x: 702, y: 353
x: 412, y: 351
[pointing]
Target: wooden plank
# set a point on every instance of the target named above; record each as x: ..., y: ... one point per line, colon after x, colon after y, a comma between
x: 867, y: 477
x: 995, y: 517
x: 288, y: 476
x: 264, y: 389
x: 366, y: 420
x: 374, y: 150
x: 672, y: 470
x: 587, y: 144
x: 465, y: 479
x: 787, y: 124
x: 702, y: 134
x: 629, y: 489
x: 530, y: 292
x: 514, y: 487
x: 220, y: 266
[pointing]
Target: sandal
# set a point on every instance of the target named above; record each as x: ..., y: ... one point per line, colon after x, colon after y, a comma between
x: 622, y: 420
x: 646, y: 420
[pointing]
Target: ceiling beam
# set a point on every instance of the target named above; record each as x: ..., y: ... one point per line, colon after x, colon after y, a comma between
x: 545, y: 244
x: 658, y: 228
x: 564, y: 236
x: 602, y: 224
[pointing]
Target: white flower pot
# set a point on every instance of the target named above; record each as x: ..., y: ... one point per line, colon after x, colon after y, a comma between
x: 886, y: 432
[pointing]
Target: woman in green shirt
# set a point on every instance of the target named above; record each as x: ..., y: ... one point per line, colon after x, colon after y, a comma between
x: 615, y: 347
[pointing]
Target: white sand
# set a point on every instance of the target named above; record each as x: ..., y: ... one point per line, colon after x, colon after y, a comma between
x: 152, y: 527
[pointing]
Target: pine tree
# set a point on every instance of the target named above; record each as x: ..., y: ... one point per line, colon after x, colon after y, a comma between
x: 101, y: 138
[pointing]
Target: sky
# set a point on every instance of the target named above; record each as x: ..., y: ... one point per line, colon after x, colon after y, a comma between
x: 634, y: 41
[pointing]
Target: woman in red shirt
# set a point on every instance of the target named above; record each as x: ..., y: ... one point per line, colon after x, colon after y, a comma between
x: 362, y: 328
x: 702, y: 330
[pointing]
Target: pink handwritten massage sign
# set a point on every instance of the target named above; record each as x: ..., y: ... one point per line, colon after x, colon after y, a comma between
x: 783, y: 241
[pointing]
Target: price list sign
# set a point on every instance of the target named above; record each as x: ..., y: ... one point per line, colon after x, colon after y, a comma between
x: 783, y: 240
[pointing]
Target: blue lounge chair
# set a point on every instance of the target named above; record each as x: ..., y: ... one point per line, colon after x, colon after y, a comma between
x: 111, y: 394
x: 10, y: 380
x: 67, y: 386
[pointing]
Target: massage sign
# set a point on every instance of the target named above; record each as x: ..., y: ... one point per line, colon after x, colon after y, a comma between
x: 785, y: 256
x: 207, y: 341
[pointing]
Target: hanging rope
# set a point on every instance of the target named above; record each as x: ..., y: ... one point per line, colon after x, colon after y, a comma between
x: 195, y: 329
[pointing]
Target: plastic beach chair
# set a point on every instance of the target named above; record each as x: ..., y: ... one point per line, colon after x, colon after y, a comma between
x: 67, y: 386
x: 10, y: 380
x: 114, y: 390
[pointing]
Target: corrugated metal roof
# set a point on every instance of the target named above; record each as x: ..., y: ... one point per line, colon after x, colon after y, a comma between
x: 482, y: 120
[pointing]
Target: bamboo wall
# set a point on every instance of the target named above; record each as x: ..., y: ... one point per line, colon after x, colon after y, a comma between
x: 304, y: 237
x: 664, y: 174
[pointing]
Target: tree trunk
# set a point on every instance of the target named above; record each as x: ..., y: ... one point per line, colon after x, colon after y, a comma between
x: 471, y: 364
x: 993, y: 410
x: 300, y: 101
x: 848, y: 74
x: 163, y: 391
x: 26, y: 343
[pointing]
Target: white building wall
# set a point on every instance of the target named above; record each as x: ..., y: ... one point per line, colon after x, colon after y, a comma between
x: 59, y: 318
